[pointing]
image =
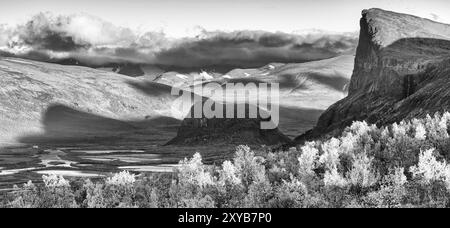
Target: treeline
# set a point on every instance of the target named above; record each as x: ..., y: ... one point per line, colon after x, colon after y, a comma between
x: 401, y: 165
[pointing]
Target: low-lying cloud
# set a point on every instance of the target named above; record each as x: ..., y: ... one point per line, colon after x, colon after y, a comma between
x: 90, y: 40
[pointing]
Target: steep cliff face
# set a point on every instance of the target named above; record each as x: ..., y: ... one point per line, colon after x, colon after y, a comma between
x: 402, y: 70
x: 393, y: 45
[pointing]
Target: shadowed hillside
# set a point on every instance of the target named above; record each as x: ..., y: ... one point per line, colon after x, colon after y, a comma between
x: 65, y: 125
x: 29, y: 88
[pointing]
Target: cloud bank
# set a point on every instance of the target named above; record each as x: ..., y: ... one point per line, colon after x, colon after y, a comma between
x: 90, y: 40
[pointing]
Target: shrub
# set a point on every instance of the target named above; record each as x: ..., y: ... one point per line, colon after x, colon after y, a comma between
x: 152, y: 190
x: 308, y: 160
x: 119, y: 190
x: 25, y: 197
x: 57, y: 192
x: 260, y: 192
x: 249, y: 168
x: 333, y: 178
x: 230, y: 191
x: 290, y: 194
x: 94, y: 195
x: 392, y: 191
x: 429, y: 169
x: 362, y: 174
x: 191, y: 183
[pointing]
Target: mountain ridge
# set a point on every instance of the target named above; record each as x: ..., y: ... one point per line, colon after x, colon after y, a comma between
x: 400, y: 71
x: 380, y: 30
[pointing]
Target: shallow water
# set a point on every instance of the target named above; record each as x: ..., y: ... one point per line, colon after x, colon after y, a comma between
x: 53, y: 159
x: 150, y: 168
x: 20, y: 164
x: 107, y: 151
x: 68, y: 173
x: 129, y: 157
x: 15, y: 171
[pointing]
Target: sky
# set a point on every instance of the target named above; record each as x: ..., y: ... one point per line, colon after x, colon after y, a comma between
x: 181, y: 18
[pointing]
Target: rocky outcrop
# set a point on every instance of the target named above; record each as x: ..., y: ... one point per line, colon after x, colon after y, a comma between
x: 393, y: 45
x: 129, y: 69
x: 402, y: 70
x: 237, y: 131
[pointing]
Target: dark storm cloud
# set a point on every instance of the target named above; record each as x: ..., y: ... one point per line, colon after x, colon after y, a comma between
x: 88, y: 39
x: 253, y: 48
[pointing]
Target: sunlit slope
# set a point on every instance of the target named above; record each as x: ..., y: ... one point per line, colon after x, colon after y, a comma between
x: 29, y: 89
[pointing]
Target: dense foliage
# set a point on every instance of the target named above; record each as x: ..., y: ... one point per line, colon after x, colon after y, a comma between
x: 401, y: 165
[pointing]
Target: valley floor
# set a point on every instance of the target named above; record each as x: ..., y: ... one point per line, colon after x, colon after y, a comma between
x: 20, y: 164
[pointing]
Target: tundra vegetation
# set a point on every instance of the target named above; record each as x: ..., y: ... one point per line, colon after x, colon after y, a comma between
x: 400, y: 165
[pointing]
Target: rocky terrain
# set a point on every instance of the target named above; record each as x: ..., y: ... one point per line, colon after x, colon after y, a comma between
x: 402, y: 70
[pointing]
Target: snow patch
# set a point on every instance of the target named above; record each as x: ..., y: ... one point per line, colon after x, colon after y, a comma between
x: 206, y: 76
x: 182, y: 76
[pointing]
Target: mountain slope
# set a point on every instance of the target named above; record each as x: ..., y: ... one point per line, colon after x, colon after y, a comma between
x: 30, y: 89
x: 401, y: 71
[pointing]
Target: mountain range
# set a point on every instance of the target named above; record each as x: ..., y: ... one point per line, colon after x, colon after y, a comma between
x: 399, y: 71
